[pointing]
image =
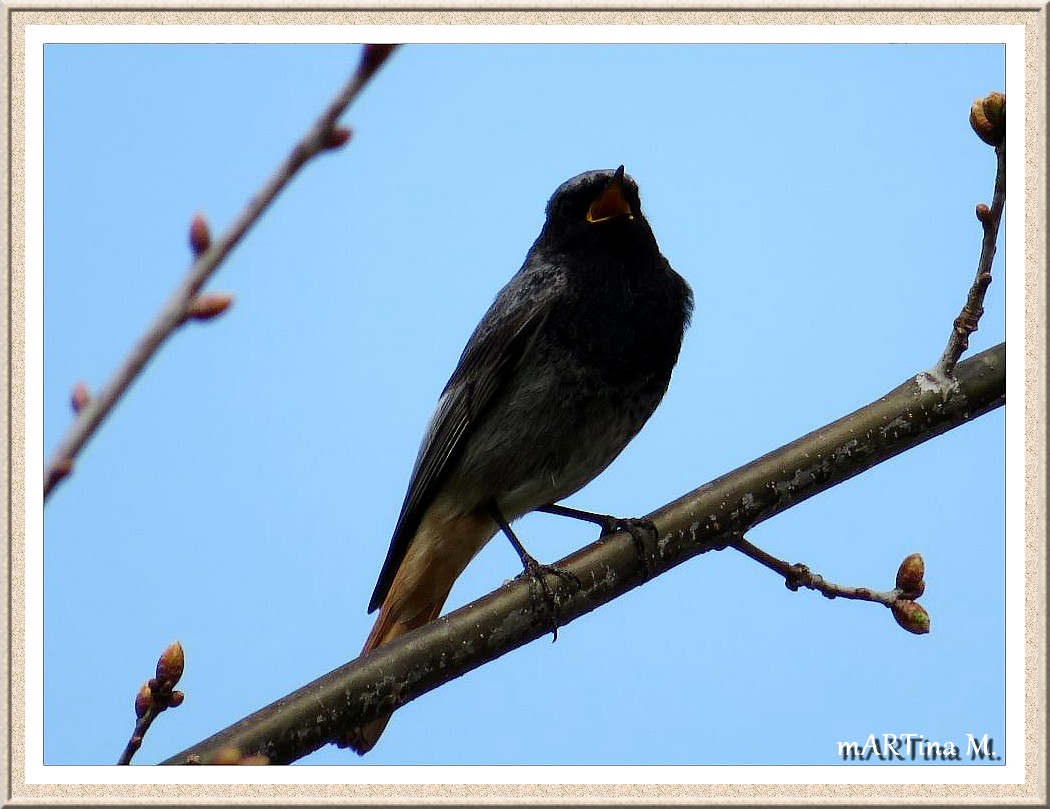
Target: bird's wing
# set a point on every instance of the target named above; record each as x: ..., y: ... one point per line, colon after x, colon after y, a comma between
x: 488, y: 361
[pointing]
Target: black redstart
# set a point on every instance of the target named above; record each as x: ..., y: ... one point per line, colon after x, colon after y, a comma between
x: 564, y: 369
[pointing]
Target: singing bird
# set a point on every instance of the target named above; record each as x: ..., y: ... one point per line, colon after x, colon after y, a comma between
x: 564, y: 369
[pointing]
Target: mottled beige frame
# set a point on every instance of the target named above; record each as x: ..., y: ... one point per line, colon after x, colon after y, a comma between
x: 1031, y: 15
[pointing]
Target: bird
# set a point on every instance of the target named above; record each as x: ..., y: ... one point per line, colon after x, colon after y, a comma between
x: 564, y: 369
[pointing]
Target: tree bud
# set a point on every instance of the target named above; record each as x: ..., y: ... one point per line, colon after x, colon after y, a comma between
x: 200, y: 235
x: 171, y: 664
x: 910, y: 573
x: 911, y: 616
x: 80, y: 397
x: 988, y: 118
x: 208, y: 305
x: 143, y: 701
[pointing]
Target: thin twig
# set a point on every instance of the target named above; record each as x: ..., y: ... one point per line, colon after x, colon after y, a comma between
x: 993, y: 132
x: 901, y: 600
x: 321, y: 136
x: 798, y: 575
x: 156, y: 696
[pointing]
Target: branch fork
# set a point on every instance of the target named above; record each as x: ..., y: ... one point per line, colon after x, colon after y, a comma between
x: 988, y: 119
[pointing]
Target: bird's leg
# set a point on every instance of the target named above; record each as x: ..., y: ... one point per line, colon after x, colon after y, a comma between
x: 607, y: 522
x: 637, y: 527
x: 533, y: 568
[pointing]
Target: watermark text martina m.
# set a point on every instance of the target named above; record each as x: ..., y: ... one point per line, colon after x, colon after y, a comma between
x: 916, y: 747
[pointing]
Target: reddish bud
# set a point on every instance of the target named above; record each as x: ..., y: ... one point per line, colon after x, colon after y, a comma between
x: 911, y: 616
x: 171, y: 664
x: 910, y: 573
x: 337, y: 136
x: 200, y: 234
x: 995, y: 109
x: 143, y: 701
x: 176, y: 699
x: 80, y: 397
x: 208, y: 305
x: 983, y: 212
x: 988, y: 118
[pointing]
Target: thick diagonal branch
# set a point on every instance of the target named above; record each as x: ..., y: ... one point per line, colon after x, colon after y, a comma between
x: 703, y: 519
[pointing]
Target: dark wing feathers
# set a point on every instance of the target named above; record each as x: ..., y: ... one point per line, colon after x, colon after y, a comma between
x: 488, y: 361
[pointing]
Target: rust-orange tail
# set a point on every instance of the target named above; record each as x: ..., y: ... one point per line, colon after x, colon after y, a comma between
x: 437, y: 555
x: 387, y: 628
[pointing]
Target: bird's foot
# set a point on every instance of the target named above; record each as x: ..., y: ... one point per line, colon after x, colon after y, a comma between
x: 538, y: 573
x: 640, y: 528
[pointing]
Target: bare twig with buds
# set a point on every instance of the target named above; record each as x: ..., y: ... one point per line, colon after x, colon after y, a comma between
x: 187, y: 302
x: 988, y: 119
x: 901, y: 600
x: 156, y: 696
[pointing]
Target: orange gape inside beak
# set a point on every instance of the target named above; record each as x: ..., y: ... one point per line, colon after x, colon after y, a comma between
x: 611, y: 203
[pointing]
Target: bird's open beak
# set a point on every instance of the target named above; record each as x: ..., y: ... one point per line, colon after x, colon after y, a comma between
x: 611, y: 203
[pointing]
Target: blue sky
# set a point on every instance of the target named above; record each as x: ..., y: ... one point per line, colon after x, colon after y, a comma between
x: 818, y: 198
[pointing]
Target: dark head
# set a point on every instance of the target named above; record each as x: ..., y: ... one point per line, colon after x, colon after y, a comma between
x: 597, y: 246
x: 593, y: 208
